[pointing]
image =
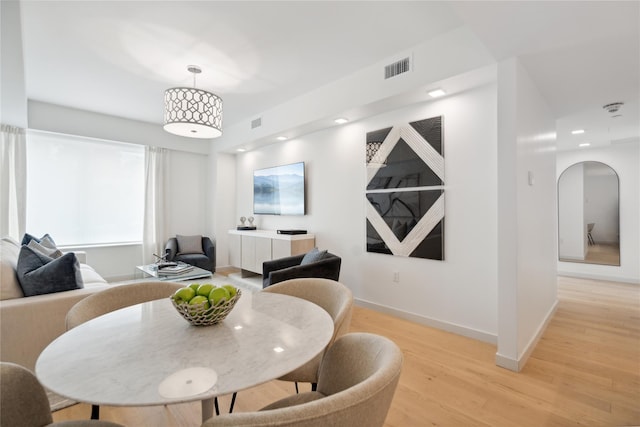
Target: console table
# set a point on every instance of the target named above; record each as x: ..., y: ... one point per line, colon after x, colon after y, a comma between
x: 248, y: 249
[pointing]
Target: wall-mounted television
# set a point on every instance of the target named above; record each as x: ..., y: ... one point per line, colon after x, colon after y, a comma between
x: 279, y: 190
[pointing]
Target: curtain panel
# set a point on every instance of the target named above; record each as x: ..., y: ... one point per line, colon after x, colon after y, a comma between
x: 153, y: 236
x: 13, y: 179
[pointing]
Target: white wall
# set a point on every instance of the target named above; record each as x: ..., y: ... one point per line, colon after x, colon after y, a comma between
x: 526, y: 215
x: 624, y: 159
x: 572, y: 240
x: 222, y: 171
x: 458, y: 294
x: 71, y: 121
x: 13, y: 98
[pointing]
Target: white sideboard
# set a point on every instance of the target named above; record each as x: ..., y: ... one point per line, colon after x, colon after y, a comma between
x: 248, y: 249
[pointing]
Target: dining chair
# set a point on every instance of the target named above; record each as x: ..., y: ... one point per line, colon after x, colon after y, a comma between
x: 24, y: 402
x: 113, y: 299
x: 589, y: 235
x: 356, y: 383
x: 335, y: 298
x: 118, y: 297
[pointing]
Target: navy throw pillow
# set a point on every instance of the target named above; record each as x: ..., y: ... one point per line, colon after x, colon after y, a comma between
x: 312, y: 256
x: 38, y: 274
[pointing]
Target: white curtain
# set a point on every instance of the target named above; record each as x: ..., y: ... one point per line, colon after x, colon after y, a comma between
x: 13, y: 180
x: 153, y: 235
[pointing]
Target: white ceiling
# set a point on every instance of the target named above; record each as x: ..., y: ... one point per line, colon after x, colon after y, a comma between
x: 118, y: 57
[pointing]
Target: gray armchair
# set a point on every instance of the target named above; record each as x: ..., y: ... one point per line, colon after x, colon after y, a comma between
x: 206, y: 259
x: 279, y: 270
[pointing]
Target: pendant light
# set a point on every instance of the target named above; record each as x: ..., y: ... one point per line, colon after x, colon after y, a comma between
x: 191, y: 112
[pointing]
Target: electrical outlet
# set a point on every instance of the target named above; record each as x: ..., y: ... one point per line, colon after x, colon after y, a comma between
x: 396, y: 276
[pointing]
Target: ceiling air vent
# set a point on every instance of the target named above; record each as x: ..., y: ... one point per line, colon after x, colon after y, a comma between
x: 397, y: 68
x: 256, y: 123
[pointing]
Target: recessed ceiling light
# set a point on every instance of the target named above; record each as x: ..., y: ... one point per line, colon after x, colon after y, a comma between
x: 278, y: 349
x: 584, y: 144
x: 577, y: 131
x: 241, y: 150
x: 341, y: 120
x: 281, y: 138
x: 437, y: 93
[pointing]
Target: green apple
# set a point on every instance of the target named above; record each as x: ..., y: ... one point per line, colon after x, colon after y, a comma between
x: 194, y: 286
x: 184, y: 295
x: 219, y: 296
x: 199, y: 299
x: 205, y: 289
x: 232, y: 290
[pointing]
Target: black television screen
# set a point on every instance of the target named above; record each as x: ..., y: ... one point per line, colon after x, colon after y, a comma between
x: 279, y: 190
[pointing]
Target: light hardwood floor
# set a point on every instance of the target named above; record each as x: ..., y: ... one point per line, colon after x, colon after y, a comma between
x: 584, y: 371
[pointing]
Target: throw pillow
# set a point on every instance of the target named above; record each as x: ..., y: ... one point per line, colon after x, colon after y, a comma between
x: 189, y: 244
x: 44, y: 249
x: 39, y: 274
x: 28, y: 237
x: 48, y: 242
x: 312, y: 256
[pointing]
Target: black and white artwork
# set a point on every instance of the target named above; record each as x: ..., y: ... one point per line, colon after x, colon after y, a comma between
x: 405, y: 190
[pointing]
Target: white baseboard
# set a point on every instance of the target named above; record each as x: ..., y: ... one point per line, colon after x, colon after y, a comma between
x: 434, y: 323
x: 604, y: 278
x: 517, y: 365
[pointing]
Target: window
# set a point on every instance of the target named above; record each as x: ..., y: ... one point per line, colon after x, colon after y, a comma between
x: 84, y: 191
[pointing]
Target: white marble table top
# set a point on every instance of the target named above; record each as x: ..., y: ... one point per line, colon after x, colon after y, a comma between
x: 148, y: 354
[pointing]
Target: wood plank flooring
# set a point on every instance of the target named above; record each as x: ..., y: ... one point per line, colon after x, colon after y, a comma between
x: 584, y: 371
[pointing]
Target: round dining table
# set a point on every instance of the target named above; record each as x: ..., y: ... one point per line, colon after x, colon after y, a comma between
x: 147, y: 354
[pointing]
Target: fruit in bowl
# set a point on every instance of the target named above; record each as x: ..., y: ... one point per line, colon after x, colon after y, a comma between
x: 205, y: 304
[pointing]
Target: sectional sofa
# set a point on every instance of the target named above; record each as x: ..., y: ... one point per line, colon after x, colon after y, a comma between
x: 29, y: 324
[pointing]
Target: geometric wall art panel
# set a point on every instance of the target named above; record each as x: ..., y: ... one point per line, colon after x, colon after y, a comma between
x: 404, y: 193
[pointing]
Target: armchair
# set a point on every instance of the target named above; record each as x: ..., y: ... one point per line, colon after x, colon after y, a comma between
x: 199, y: 251
x: 278, y: 270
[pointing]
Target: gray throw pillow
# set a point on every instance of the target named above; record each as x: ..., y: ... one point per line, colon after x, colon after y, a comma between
x: 189, y: 244
x: 44, y: 249
x: 312, y: 256
x: 28, y: 237
x: 39, y: 274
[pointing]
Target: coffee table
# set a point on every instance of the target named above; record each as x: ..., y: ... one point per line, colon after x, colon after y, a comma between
x: 147, y: 354
x: 194, y: 273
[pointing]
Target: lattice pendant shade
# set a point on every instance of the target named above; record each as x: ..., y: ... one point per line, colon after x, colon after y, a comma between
x: 191, y: 112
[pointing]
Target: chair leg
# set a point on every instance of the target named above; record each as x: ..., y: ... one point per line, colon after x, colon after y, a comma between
x: 296, y: 383
x: 233, y: 401
x: 215, y: 405
x: 314, y: 386
x: 95, y: 412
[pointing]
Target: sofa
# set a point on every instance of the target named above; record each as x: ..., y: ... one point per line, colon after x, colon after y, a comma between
x: 29, y: 324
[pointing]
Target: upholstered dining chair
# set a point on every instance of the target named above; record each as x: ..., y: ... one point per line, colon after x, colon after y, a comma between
x: 113, y: 299
x: 356, y: 383
x: 335, y: 298
x: 23, y: 401
x: 117, y: 297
